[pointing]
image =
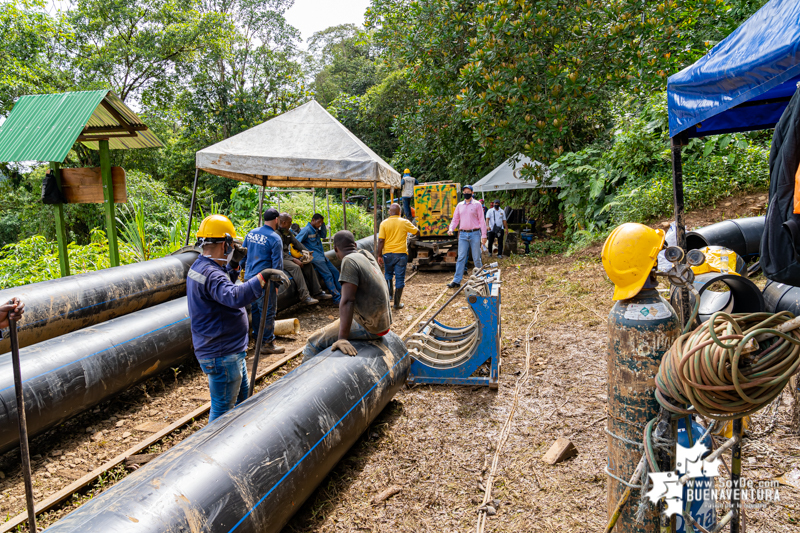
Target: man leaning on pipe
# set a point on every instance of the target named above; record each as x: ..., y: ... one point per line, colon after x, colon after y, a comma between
x: 11, y: 310
x: 364, y: 312
x: 216, y: 309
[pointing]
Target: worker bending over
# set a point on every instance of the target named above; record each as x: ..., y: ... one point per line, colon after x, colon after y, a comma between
x: 468, y: 218
x: 311, y: 237
x: 299, y: 268
x: 364, y: 312
x: 217, y: 313
x: 393, y: 251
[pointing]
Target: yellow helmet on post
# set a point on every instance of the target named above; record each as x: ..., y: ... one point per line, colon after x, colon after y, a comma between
x: 629, y: 254
x: 216, y: 227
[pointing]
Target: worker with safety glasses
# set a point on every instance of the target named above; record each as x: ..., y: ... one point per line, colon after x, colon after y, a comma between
x: 217, y: 311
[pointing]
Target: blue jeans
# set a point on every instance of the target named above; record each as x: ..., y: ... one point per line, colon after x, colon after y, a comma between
x: 227, y: 382
x: 329, y: 275
x: 395, y: 265
x: 272, y: 309
x: 407, y: 206
x: 325, y: 337
x: 467, y: 242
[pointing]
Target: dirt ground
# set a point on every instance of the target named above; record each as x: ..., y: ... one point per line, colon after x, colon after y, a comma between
x: 434, y: 443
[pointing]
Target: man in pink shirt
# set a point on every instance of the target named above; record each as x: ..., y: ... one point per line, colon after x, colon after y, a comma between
x: 468, y: 218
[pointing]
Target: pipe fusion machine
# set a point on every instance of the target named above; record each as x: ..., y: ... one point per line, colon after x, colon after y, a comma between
x: 447, y: 355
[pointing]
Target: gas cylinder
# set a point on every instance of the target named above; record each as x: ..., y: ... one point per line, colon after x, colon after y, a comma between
x: 641, y: 330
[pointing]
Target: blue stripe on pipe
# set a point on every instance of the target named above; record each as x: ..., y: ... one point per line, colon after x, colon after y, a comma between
x: 95, y: 353
x: 315, y: 445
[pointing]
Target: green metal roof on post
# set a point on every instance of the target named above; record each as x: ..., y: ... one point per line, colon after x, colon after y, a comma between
x: 44, y: 127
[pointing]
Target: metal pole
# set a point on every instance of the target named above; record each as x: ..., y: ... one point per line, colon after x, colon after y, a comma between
x: 313, y: 200
x: 260, y: 337
x: 24, y: 451
x: 344, y: 209
x: 261, y: 201
x: 453, y: 297
x: 375, y: 216
x: 328, y: 206
x: 684, y: 309
x: 191, y: 206
x: 383, y: 204
x: 736, y: 477
x: 279, y: 202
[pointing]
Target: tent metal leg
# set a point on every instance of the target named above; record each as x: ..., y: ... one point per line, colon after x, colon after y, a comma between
x: 375, y: 216
x: 314, y: 200
x: 684, y: 310
x: 261, y: 201
x: 383, y: 204
x: 191, y: 207
x: 344, y: 208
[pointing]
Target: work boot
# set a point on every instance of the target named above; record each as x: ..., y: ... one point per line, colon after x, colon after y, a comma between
x: 310, y: 301
x: 453, y: 285
x: 323, y: 296
x: 398, y: 293
x: 269, y: 348
x: 391, y: 288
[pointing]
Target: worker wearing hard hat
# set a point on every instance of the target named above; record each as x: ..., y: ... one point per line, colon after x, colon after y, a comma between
x: 407, y: 192
x: 217, y: 311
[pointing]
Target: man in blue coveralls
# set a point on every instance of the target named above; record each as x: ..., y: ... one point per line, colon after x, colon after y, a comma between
x: 311, y: 237
x: 265, y: 250
x: 216, y: 309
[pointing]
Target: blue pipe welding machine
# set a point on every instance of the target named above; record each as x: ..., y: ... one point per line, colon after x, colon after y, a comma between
x: 446, y: 355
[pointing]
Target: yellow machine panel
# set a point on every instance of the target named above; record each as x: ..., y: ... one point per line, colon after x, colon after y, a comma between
x: 434, y: 205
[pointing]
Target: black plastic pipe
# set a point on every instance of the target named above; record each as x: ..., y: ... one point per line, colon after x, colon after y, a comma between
x: 741, y: 296
x: 781, y: 297
x: 60, y: 306
x: 250, y: 470
x: 70, y: 374
x: 742, y: 235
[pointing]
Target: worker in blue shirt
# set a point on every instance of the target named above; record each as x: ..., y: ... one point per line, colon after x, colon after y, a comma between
x: 311, y: 237
x: 217, y: 313
x: 265, y: 250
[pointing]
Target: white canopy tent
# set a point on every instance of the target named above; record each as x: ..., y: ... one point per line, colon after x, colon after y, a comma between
x: 504, y: 177
x: 304, y: 147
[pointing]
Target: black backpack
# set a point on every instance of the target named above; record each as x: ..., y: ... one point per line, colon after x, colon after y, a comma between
x: 51, y: 194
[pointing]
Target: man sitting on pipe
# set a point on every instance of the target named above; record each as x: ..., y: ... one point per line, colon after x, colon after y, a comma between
x: 299, y: 270
x: 364, y: 312
x: 311, y: 237
x: 11, y: 310
x: 216, y: 309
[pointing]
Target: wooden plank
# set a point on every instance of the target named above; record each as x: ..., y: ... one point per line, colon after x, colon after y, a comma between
x: 85, y: 185
x: 61, y: 227
x: 72, y: 488
x: 108, y: 203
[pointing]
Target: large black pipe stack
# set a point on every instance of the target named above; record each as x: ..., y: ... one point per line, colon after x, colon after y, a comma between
x: 59, y: 306
x: 742, y: 235
x: 251, y: 470
x: 67, y: 375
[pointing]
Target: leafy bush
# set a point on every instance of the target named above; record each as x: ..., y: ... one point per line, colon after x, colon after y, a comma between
x: 35, y: 259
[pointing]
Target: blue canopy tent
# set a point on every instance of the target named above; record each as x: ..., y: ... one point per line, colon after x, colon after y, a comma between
x: 743, y: 84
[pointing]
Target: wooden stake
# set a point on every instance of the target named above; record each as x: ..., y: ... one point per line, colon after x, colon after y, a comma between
x: 344, y: 208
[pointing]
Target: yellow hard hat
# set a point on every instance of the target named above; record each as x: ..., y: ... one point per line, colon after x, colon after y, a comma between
x: 297, y: 254
x: 215, y: 227
x: 629, y: 254
x: 406, y: 171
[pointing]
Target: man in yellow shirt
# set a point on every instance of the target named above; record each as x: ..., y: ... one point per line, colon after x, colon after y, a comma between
x: 392, y: 251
